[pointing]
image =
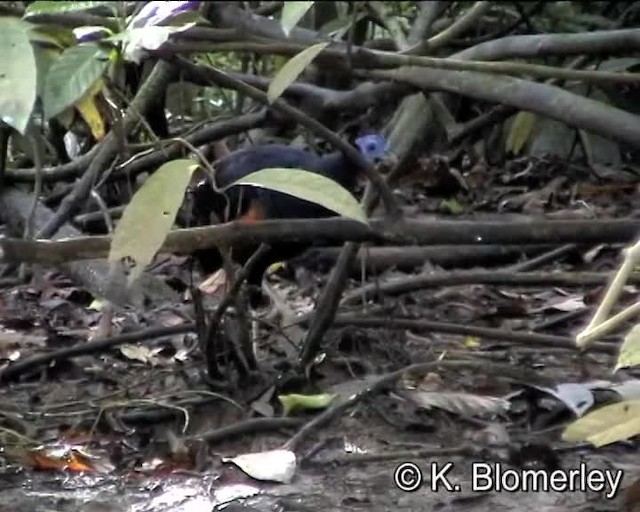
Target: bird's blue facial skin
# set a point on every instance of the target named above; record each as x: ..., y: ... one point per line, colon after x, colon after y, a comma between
x: 373, y: 147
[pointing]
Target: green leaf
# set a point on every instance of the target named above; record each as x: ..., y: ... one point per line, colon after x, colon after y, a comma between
x: 292, y: 13
x: 630, y: 350
x: 609, y: 424
x: 293, y: 402
x: 71, y: 76
x: 55, y: 7
x: 149, y: 216
x: 309, y: 186
x: 60, y: 37
x: 292, y: 69
x: 520, y: 131
x: 18, y: 75
x: 452, y: 206
x: 45, y: 57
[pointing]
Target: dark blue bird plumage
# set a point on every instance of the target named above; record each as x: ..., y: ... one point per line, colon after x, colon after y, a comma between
x: 251, y: 203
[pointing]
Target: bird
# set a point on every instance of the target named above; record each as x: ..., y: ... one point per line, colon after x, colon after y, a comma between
x: 247, y: 203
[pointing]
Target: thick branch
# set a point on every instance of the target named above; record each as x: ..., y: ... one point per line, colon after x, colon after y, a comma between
x: 365, y: 58
x: 547, y: 100
x: 141, y: 163
x: 250, y: 24
x: 460, y: 26
x: 429, y: 11
x: 334, y: 230
x: 543, y: 45
x: 361, y: 97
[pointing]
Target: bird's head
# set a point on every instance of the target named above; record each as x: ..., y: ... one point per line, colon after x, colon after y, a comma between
x: 375, y: 149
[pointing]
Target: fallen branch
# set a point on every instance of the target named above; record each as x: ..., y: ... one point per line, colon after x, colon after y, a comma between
x: 522, y: 338
x: 377, y: 259
x: 335, y: 230
x: 412, y: 283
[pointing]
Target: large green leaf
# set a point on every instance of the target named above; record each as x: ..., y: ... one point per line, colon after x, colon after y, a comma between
x: 292, y: 13
x: 71, y: 76
x: 609, y: 424
x: 55, y: 7
x: 292, y: 69
x: 149, y: 216
x: 18, y: 76
x: 630, y: 349
x: 45, y: 57
x: 309, y: 186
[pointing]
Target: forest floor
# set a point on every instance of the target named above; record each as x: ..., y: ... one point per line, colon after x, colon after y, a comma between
x: 136, y: 427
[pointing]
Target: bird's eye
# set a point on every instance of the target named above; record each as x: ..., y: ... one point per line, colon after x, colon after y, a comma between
x: 371, y: 147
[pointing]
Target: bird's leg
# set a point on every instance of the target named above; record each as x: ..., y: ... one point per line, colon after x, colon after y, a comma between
x: 240, y: 347
x: 280, y: 312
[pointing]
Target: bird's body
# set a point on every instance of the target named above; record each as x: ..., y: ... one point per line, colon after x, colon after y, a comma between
x: 273, y: 205
x: 250, y: 203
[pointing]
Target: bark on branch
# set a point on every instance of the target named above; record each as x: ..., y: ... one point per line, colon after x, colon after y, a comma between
x: 335, y: 230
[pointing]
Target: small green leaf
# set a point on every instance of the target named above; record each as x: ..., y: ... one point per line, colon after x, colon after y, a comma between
x: 18, y: 75
x: 71, y: 76
x: 609, y: 424
x: 630, y: 350
x: 291, y: 403
x: 149, y: 216
x: 309, y: 186
x: 55, y: 7
x: 97, y: 305
x: 292, y: 69
x: 520, y: 131
x: 292, y: 13
x: 452, y: 206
